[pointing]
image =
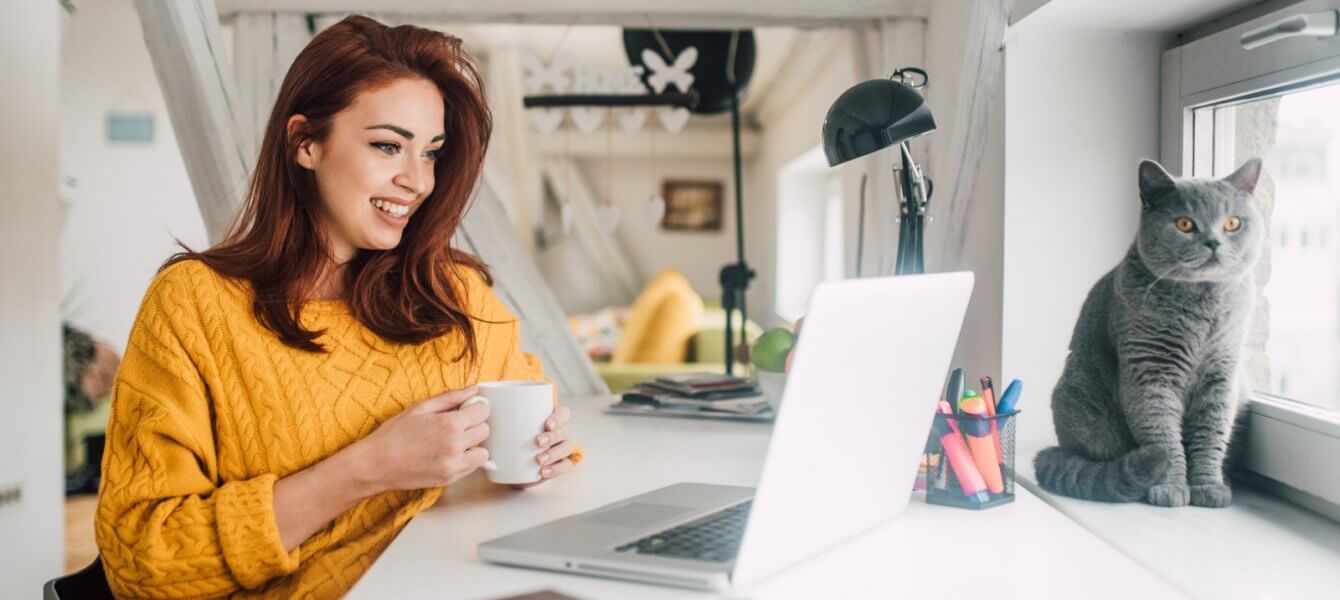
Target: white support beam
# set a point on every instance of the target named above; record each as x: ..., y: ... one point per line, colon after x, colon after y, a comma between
x: 487, y: 233
x: 188, y: 55
x: 264, y: 45
x: 957, y: 163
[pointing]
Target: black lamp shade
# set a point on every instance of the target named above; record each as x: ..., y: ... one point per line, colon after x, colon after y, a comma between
x: 873, y: 115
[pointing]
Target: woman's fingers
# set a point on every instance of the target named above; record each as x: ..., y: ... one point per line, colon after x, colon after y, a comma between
x: 549, y: 438
x: 560, y: 416
x: 476, y: 435
x: 446, y: 400
x: 559, y: 468
x: 472, y: 459
x: 555, y: 454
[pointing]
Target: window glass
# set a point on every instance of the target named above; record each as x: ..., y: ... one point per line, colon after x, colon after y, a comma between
x: 1297, y: 132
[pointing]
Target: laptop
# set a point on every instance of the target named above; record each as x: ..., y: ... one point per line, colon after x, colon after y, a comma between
x: 878, y: 349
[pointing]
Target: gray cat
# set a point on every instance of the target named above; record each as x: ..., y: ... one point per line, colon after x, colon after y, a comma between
x: 1152, y: 388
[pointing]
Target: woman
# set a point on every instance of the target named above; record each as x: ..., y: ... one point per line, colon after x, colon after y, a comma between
x: 290, y: 398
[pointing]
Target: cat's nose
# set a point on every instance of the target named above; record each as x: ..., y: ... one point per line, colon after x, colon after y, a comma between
x: 1212, y: 245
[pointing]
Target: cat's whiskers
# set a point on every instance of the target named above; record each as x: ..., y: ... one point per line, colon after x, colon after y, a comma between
x: 1149, y: 289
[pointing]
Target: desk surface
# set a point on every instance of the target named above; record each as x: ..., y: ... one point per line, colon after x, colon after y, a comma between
x: 1044, y: 554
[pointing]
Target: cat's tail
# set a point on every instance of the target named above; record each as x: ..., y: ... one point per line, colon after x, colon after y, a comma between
x: 1123, y: 479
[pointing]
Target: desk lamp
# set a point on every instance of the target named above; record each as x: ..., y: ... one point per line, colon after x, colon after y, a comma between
x: 873, y: 115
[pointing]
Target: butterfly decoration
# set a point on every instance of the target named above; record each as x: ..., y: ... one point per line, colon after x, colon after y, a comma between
x: 554, y: 76
x: 664, y: 75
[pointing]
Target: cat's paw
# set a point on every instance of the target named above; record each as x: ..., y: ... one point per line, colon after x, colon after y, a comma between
x: 1212, y: 495
x: 1150, y: 464
x: 1169, y: 494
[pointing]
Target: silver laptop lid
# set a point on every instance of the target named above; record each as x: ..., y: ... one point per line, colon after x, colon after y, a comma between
x: 855, y: 415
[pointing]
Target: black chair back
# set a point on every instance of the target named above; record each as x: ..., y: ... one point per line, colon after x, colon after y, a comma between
x: 89, y: 582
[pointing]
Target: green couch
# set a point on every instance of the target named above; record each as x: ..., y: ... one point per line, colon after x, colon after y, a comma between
x: 706, y: 352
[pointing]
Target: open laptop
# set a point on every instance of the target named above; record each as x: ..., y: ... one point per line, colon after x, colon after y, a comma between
x: 864, y: 383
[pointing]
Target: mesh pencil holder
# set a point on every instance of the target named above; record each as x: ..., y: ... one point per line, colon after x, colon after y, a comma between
x: 970, y: 460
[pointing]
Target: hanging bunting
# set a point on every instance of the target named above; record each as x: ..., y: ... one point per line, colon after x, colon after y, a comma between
x: 541, y: 78
x: 587, y: 80
x: 562, y: 77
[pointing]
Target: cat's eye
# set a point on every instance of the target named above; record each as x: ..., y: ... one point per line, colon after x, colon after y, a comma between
x: 1185, y: 224
x: 1232, y: 224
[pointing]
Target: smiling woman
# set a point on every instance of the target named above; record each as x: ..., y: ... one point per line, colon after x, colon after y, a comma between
x: 373, y: 174
x: 291, y: 397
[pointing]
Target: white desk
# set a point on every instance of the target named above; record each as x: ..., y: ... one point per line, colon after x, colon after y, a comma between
x: 1022, y: 550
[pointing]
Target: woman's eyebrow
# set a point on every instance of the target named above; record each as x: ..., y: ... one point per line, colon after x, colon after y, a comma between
x: 405, y: 133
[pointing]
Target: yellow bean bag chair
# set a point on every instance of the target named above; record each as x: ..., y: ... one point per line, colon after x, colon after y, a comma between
x: 664, y: 317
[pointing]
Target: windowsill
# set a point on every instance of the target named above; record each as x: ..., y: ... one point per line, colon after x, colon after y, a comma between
x: 1259, y: 547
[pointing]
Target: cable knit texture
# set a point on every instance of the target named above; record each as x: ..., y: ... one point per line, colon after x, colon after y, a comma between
x: 210, y: 409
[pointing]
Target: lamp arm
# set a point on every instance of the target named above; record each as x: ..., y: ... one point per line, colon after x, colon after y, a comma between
x: 913, y: 198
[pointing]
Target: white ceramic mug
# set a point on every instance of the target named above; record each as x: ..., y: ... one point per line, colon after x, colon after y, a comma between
x: 517, y: 412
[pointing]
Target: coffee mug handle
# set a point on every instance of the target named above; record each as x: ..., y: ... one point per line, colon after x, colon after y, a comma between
x: 488, y: 465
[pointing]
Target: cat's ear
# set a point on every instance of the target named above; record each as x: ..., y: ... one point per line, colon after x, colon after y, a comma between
x: 1246, y: 177
x: 1154, y: 181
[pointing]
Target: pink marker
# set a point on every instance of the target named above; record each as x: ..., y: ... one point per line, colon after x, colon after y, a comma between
x: 960, y: 459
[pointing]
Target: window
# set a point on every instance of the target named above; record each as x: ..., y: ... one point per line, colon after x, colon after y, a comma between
x: 1293, y: 130
x: 1224, y: 104
x: 810, y: 241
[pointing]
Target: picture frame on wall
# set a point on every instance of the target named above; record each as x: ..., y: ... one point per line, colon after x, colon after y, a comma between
x: 692, y: 205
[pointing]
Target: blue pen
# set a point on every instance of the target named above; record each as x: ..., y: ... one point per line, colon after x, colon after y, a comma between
x: 1010, y: 398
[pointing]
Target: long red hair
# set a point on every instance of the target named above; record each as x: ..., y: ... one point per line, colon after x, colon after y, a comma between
x: 277, y: 243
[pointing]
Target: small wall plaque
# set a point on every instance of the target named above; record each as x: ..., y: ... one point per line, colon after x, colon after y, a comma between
x: 130, y: 127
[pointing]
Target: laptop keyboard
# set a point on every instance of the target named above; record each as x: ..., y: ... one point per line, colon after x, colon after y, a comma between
x: 713, y: 538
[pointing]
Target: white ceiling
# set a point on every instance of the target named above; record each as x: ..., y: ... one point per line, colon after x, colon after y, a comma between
x: 706, y: 13
x: 1163, y: 16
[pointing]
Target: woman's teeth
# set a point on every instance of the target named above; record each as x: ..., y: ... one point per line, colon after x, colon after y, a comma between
x: 391, y: 208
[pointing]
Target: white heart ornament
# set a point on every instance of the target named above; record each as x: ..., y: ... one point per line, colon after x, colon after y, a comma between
x: 546, y: 120
x: 566, y: 217
x: 607, y: 216
x: 672, y: 119
x: 631, y: 119
x: 587, y: 119
x: 654, y: 209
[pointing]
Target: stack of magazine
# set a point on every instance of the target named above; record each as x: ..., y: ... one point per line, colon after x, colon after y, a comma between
x: 712, y: 395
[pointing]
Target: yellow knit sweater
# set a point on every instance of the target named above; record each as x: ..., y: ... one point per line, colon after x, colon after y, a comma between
x: 210, y: 409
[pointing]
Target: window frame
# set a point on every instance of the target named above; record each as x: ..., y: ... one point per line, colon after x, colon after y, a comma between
x: 1291, y: 446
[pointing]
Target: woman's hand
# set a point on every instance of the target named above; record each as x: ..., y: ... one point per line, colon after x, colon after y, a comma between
x: 431, y: 444
x: 555, y: 447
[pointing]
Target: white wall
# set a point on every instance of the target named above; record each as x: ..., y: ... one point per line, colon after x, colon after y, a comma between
x: 800, y: 222
x: 131, y: 199
x: 1082, y: 109
x: 31, y: 530
x: 698, y: 254
x: 785, y: 137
